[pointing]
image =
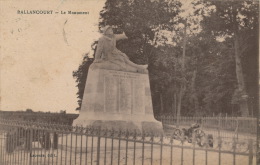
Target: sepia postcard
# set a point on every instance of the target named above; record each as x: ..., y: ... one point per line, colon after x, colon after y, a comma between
x: 117, y: 82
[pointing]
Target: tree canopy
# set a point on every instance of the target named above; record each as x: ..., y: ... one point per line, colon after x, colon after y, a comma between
x: 200, y: 63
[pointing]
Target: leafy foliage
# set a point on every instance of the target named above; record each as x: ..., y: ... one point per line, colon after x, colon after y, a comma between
x: 81, y: 76
x: 156, y: 36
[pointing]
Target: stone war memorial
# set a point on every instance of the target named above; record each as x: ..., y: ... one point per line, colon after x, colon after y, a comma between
x: 117, y: 93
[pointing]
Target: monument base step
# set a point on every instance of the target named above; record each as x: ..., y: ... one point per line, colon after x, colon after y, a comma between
x: 130, y: 126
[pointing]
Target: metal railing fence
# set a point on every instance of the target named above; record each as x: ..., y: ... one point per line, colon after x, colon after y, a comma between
x: 30, y: 143
x: 226, y: 127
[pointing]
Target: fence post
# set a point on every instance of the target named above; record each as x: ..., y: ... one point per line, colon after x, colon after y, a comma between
x: 234, y: 146
x: 161, y: 149
x: 251, y: 155
x: 182, y: 143
x: 98, y: 144
x: 30, y: 142
x: 219, y: 149
x: 193, y: 147
x: 55, y: 140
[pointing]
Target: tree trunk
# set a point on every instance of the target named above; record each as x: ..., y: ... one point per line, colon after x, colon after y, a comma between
x: 182, y: 88
x: 175, y: 91
x: 179, y: 103
x: 240, y: 79
x: 172, y: 93
x: 195, y: 101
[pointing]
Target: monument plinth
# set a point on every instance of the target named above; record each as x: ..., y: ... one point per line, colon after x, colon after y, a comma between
x: 118, y: 100
x: 117, y: 93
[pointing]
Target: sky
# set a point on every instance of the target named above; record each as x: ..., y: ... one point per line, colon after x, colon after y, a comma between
x: 40, y: 52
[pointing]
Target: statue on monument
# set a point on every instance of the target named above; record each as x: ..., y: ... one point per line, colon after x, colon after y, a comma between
x: 107, y: 56
x: 117, y: 93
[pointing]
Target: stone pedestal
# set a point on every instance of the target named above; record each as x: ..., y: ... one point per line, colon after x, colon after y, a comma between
x: 118, y: 100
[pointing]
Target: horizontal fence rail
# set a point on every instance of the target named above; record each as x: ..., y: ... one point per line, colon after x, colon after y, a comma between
x: 226, y: 127
x: 30, y: 143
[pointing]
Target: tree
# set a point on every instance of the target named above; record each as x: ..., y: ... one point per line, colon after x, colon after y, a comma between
x: 199, y: 63
x: 81, y: 76
x: 209, y: 75
x: 237, y: 20
x: 140, y: 20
